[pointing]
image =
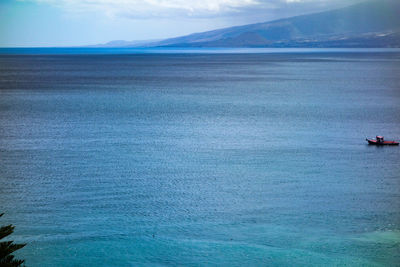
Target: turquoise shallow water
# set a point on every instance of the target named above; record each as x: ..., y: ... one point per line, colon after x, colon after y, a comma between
x: 201, y: 159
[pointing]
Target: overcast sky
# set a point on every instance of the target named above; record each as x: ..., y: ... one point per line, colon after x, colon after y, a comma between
x: 83, y: 22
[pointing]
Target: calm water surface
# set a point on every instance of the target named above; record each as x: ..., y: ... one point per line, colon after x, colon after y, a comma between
x: 201, y: 159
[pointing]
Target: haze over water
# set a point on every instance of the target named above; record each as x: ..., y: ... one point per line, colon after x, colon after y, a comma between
x: 201, y: 159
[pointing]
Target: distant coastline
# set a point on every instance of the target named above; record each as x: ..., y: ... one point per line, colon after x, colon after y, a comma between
x: 181, y: 50
x: 367, y: 24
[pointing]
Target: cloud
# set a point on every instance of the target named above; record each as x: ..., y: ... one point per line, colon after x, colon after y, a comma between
x: 180, y: 8
x: 153, y: 8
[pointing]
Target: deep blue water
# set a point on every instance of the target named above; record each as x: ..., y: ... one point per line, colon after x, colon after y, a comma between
x: 201, y: 159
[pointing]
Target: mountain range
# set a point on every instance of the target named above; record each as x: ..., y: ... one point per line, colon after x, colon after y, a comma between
x: 368, y: 24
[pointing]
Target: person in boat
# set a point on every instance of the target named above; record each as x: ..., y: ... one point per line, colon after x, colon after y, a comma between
x: 379, y: 139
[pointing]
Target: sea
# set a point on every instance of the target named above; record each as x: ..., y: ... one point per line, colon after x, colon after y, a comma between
x: 207, y: 157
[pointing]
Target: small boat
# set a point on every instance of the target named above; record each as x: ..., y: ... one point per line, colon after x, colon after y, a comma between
x: 379, y: 141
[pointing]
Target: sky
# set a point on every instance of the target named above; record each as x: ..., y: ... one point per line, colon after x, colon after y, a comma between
x: 50, y: 23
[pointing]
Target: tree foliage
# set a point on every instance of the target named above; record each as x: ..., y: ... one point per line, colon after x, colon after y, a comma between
x: 8, y: 247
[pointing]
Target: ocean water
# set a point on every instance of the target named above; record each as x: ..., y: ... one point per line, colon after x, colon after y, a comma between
x: 192, y: 159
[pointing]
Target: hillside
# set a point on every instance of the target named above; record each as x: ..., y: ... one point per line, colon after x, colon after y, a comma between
x: 368, y: 24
